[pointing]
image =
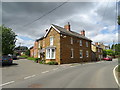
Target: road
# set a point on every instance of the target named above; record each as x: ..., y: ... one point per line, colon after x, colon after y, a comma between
x: 32, y: 75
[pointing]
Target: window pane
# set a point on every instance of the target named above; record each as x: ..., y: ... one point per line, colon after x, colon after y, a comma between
x: 51, y: 40
x: 53, y: 53
x: 80, y: 42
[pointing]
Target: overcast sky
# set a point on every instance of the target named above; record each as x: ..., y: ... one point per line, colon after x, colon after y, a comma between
x: 98, y: 19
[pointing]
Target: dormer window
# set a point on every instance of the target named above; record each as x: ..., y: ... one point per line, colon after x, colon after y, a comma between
x: 51, y: 40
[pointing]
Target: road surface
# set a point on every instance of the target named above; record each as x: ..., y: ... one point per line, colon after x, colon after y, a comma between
x: 32, y: 75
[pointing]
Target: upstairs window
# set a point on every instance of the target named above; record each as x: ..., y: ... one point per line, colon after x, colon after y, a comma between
x: 80, y: 42
x: 71, y: 53
x: 81, y: 54
x: 86, y: 44
x: 71, y: 40
x: 87, y: 54
x: 51, y: 40
x: 39, y: 45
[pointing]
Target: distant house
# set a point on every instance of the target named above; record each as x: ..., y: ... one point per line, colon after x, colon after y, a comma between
x: 97, y: 52
x: 101, y: 45
x: 63, y: 46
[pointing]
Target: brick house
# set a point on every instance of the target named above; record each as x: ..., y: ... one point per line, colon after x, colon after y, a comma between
x: 63, y: 46
x: 97, y: 52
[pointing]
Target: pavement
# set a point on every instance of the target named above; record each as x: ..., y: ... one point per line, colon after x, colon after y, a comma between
x: 27, y: 74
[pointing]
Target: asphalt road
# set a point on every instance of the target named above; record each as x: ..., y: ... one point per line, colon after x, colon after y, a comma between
x: 90, y: 75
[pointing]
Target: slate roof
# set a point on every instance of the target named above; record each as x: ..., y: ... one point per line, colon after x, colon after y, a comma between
x: 70, y: 33
x: 40, y: 39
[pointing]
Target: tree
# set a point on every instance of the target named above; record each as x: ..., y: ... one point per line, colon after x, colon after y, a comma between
x: 8, y: 40
x: 104, y: 53
x: 110, y: 52
x: 119, y: 20
x: 27, y: 52
x: 116, y: 47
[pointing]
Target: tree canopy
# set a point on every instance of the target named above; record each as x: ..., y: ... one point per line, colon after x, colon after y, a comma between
x: 8, y: 40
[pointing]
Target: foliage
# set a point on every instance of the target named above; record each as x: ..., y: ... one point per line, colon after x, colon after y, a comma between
x: 52, y: 63
x: 24, y: 56
x: 104, y: 53
x: 42, y: 62
x: 119, y: 20
x: 31, y: 58
x: 116, y: 47
x: 27, y: 52
x: 21, y: 48
x: 110, y: 52
x: 8, y: 40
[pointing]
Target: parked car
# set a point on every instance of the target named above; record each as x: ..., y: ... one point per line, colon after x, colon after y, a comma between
x: 107, y: 59
x: 6, y: 60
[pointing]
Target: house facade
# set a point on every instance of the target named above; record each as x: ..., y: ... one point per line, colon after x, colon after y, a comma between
x: 97, y: 52
x: 63, y: 45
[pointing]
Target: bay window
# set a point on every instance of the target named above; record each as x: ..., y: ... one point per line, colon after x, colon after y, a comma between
x: 50, y: 53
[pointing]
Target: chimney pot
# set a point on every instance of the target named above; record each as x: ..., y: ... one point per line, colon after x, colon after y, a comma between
x: 67, y: 27
x: 83, y: 33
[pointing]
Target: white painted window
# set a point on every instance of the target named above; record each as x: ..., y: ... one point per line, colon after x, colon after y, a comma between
x: 51, y: 40
x: 81, y: 54
x: 39, y: 45
x: 72, y: 53
x: 50, y: 53
x: 87, y: 54
x: 71, y: 40
x: 86, y: 44
x: 80, y: 42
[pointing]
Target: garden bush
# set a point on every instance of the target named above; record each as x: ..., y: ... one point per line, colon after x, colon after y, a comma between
x: 24, y: 56
x: 52, y: 63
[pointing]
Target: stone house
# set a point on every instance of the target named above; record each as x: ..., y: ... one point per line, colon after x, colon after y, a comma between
x: 97, y: 52
x: 63, y: 46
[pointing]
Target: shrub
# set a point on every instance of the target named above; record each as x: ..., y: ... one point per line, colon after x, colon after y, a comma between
x: 24, y: 56
x: 52, y: 63
x: 42, y: 62
x: 31, y: 58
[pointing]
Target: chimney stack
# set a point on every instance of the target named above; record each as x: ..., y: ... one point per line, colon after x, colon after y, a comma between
x: 67, y: 27
x: 96, y: 43
x: 83, y: 33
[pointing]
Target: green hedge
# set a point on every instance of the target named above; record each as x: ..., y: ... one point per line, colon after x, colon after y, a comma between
x: 52, y: 63
x: 24, y: 56
x: 31, y: 58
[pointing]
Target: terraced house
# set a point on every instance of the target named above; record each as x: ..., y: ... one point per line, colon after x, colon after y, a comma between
x: 63, y: 45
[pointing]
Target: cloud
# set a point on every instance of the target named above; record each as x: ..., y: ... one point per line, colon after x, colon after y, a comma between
x: 91, y: 16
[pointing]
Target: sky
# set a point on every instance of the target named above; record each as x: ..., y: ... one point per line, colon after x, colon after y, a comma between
x: 98, y: 19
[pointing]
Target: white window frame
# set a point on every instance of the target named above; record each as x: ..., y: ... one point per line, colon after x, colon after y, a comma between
x: 80, y: 42
x: 72, y: 53
x: 87, y: 54
x: 39, y: 45
x: 71, y: 40
x: 51, y: 40
x: 81, y: 52
x: 49, y: 54
x: 86, y: 44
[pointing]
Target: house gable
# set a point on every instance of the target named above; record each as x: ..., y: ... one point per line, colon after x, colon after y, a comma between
x: 50, y: 30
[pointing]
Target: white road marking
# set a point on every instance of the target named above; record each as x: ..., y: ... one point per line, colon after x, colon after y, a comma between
x: 29, y: 76
x: 7, y: 83
x: 72, y: 66
x: 45, y: 71
x: 115, y: 75
x: 55, y: 69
